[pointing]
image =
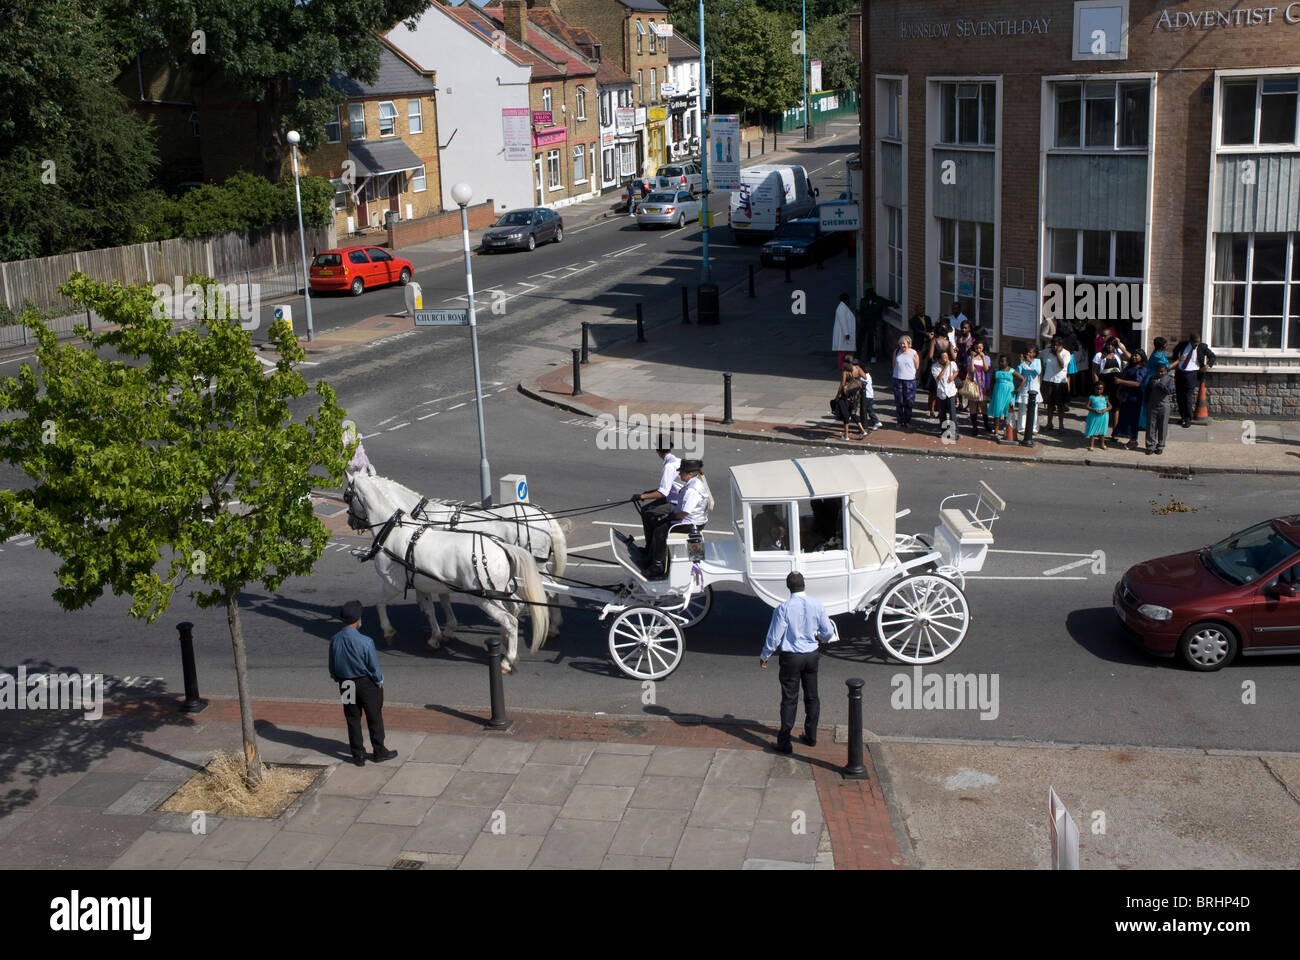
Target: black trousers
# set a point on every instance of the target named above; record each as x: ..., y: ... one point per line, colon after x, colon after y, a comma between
x: 654, y: 515
x: 368, y: 697
x: 658, y: 542
x: 1188, y: 385
x: 797, y: 669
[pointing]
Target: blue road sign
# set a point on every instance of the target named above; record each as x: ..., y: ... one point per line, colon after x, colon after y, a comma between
x: 521, y: 491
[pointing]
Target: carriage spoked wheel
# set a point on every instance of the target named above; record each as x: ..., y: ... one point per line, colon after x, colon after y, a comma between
x: 922, y: 618
x: 646, y: 643
x: 695, y: 611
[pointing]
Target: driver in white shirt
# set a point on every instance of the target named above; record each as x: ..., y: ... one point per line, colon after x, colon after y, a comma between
x: 692, y: 508
x: 662, y: 496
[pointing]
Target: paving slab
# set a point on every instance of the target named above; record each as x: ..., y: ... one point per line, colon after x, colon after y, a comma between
x: 633, y: 748
x: 294, y: 851
x: 348, y: 780
x: 782, y: 799
x: 563, y: 751
x: 499, y: 756
x: 445, y: 748
x: 777, y: 840
x: 530, y: 819
x: 324, y: 814
x: 198, y: 863
x: 182, y: 765
x: 742, y: 768
x: 473, y: 789
x: 727, y: 807
x: 450, y: 828
x: 97, y: 790
x: 649, y: 833
x: 618, y: 862
x: 576, y: 844
x: 141, y: 798
x: 596, y: 802
x: 184, y: 823
x: 775, y: 865
x: 680, y: 762
x: 374, y: 844
x: 240, y: 840
x: 615, y: 770
x: 501, y: 852
x: 415, y: 779
x: 398, y: 811
x: 707, y: 848
x: 667, y: 793
x: 157, y: 851
x: 544, y: 783
x: 62, y: 837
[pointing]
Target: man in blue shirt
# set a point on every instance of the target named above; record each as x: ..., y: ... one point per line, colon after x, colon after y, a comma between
x: 797, y: 627
x: 354, y: 666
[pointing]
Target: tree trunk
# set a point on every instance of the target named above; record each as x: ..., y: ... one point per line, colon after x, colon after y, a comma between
x: 251, y: 756
x: 269, y: 147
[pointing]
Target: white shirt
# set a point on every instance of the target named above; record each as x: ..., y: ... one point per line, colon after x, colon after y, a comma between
x: 669, y: 480
x: 1191, y: 363
x: 694, y: 502
x: 844, y: 336
x: 944, y: 388
x: 957, y: 321
x: 1053, y: 370
x: 905, y: 365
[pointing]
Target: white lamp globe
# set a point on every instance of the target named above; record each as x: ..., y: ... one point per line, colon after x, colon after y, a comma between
x: 293, y: 136
x: 461, y: 193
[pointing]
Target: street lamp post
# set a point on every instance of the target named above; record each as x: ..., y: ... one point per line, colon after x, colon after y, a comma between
x: 804, y: 47
x: 293, y: 138
x: 705, y: 275
x: 461, y: 193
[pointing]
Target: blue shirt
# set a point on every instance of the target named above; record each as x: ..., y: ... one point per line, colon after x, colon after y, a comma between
x: 352, y: 655
x: 796, y: 624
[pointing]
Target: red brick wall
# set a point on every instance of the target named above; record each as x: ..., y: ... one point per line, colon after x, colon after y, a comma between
x: 407, y: 233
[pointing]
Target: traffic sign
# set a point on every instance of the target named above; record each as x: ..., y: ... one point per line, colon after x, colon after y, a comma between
x: 442, y: 318
x: 839, y: 216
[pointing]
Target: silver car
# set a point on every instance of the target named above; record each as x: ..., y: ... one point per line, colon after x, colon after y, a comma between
x: 668, y: 209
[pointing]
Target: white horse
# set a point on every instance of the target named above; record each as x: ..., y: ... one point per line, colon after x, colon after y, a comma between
x: 522, y: 524
x: 472, y: 564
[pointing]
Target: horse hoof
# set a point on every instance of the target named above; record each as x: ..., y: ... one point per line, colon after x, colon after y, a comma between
x: 390, y: 636
x: 435, y: 644
x: 506, y: 668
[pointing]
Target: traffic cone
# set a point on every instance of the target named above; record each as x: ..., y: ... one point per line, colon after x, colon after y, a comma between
x: 1202, y: 410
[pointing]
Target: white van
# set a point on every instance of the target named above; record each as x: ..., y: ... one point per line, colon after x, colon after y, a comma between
x: 770, y: 195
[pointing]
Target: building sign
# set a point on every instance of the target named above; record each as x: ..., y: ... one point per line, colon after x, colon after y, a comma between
x: 665, y: 29
x: 724, y: 152
x: 624, y: 119
x: 607, y: 139
x: 543, y: 118
x: 655, y: 114
x: 815, y: 81
x: 640, y: 116
x: 964, y: 29
x: 548, y: 135
x: 839, y: 216
x: 1237, y: 17
x: 514, y: 123
x: 667, y: 90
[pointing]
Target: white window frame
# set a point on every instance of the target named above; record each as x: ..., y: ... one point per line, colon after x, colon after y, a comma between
x: 608, y: 165
x: 894, y: 255
x: 1083, y: 82
x: 546, y: 101
x: 957, y: 86
x: 341, y: 191
x: 1082, y: 42
x: 337, y: 124
x: 970, y: 304
x: 626, y: 160
x: 1259, y: 76
x: 893, y: 110
x: 640, y: 87
x: 581, y: 97
x: 1291, y: 291
x: 653, y: 35
x: 654, y: 86
x: 554, y: 179
x: 1049, y: 267
x: 414, y: 115
x: 419, y: 179
x: 356, y: 110
x: 579, y: 164
x: 391, y: 119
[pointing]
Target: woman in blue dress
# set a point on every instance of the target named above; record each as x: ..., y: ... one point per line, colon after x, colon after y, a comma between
x: 1004, y: 388
x: 1130, y: 382
x: 1098, y: 416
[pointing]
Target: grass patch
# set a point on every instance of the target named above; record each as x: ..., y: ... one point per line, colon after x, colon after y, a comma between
x: 221, y: 789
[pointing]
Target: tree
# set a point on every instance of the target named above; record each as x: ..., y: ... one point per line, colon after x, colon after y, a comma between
x: 136, y: 463
x: 758, y: 68
x: 279, y: 53
x: 828, y: 41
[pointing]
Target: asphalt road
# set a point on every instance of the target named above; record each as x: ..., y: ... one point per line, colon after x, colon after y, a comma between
x: 1064, y: 669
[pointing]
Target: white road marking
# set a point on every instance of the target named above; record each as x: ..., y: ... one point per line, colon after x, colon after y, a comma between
x: 619, y: 253
x: 590, y: 546
x: 404, y: 423
x: 428, y: 415
x: 503, y: 390
x: 367, y: 436
x: 382, y: 422
x: 969, y: 577
x: 1041, y: 553
x: 456, y: 406
x: 26, y: 356
x: 592, y: 226
x: 1069, y: 566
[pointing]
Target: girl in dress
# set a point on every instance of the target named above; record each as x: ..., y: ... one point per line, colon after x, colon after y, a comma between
x: 1098, y: 417
x: 1004, y: 388
x: 850, y: 393
x: 965, y: 339
x: 979, y: 371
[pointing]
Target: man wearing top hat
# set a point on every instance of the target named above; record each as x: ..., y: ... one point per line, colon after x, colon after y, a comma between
x: 354, y: 666
x: 692, y: 503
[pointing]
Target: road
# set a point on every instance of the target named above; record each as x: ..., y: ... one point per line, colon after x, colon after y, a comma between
x: 1042, y: 621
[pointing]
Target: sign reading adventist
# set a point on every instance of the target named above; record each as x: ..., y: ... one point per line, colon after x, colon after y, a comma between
x: 839, y: 216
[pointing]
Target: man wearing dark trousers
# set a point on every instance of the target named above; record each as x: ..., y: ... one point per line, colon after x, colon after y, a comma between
x: 1191, y: 360
x: 354, y: 666
x: 798, y: 628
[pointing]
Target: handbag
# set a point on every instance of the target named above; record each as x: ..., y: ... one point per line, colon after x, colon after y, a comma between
x: 970, y: 390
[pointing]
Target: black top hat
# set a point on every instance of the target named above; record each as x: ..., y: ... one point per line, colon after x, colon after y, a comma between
x: 689, y: 466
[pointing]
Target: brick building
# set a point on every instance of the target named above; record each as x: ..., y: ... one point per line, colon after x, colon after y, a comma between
x: 630, y: 33
x: 1130, y: 162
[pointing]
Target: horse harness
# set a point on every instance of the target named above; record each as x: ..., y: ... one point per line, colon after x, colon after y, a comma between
x: 478, y: 559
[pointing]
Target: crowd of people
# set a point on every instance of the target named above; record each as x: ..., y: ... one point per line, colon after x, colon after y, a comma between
x: 1122, y: 390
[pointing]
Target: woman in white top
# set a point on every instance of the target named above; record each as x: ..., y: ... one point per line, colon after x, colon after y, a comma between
x: 906, y: 364
x: 944, y: 372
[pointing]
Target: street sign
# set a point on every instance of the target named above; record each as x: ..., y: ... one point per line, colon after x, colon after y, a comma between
x: 442, y: 318
x: 668, y: 89
x: 839, y: 216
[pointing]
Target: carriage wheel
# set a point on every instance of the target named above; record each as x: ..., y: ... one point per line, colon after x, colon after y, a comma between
x: 646, y: 643
x: 699, y: 607
x: 922, y: 618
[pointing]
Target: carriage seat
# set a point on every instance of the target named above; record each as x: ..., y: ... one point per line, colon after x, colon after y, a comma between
x: 964, y: 526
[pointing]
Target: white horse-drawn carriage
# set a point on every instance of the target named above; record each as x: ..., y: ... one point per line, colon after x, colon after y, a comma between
x: 832, y: 519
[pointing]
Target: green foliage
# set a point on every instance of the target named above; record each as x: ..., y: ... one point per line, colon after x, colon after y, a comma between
x: 161, y: 445
x: 828, y: 41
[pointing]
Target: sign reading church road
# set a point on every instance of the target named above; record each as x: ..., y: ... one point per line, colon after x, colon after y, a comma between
x: 442, y: 318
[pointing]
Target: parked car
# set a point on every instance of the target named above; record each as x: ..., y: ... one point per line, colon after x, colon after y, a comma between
x: 526, y: 227
x: 668, y: 209
x: 1240, y: 595
x: 355, y: 269
x: 799, y: 242
x: 678, y: 176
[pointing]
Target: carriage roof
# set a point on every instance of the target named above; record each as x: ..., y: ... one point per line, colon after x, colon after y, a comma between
x: 802, y: 477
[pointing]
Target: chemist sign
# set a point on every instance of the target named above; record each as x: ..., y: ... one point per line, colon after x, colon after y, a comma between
x: 839, y: 216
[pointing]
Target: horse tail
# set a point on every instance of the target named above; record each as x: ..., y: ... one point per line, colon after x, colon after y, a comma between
x: 530, y: 585
x: 559, y: 546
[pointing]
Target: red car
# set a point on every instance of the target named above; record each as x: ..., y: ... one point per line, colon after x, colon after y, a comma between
x: 1241, y: 594
x: 356, y: 268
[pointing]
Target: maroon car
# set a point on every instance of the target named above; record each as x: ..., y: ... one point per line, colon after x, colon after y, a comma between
x: 1241, y: 594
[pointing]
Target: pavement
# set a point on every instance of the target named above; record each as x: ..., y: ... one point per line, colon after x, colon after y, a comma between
x: 567, y: 791
x: 783, y: 378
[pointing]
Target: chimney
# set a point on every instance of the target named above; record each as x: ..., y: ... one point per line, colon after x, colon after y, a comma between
x: 514, y: 20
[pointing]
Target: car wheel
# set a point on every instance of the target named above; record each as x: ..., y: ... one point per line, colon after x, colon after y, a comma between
x: 358, y: 285
x: 681, y: 220
x: 559, y: 234
x: 1207, y: 646
x: 641, y: 226
x: 405, y: 277
x: 532, y: 242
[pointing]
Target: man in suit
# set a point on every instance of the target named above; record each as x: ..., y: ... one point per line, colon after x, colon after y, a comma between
x: 1192, y: 360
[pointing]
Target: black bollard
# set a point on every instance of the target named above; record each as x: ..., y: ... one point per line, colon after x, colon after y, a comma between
x: 577, y: 373
x: 749, y: 150
x: 495, y: 687
x: 751, y: 281
x: 193, y: 703
x: 726, y: 398
x: 585, y: 325
x: 774, y: 141
x: 640, y: 325
x: 763, y: 150
x: 787, y: 272
x: 1031, y: 414
x: 819, y: 264
x: 855, y: 769
x: 686, y: 306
